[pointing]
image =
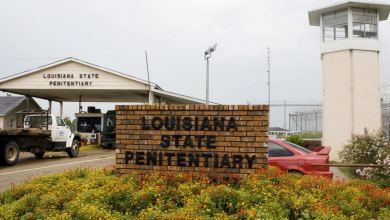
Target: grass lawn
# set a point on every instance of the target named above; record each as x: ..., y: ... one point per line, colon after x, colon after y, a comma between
x: 350, y: 172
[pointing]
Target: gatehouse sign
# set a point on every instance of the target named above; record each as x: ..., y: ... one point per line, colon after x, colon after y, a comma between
x: 74, y: 80
x: 70, y: 79
x: 218, y: 139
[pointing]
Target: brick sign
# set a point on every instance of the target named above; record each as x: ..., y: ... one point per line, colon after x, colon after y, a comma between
x: 217, y: 139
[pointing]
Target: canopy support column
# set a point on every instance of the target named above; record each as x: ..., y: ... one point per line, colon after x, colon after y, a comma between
x: 61, y: 109
x: 49, y: 106
x: 151, y: 97
x: 80, y: 107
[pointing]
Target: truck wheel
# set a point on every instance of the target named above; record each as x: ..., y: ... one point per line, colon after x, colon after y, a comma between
x: 74, y: 150
x: 39, y: 155
x: 10, y: 153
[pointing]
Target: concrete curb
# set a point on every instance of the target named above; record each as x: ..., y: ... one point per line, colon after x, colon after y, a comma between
x: 89, y: 147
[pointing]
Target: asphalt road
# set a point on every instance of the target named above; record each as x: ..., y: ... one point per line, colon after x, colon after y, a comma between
x: 54, y: 162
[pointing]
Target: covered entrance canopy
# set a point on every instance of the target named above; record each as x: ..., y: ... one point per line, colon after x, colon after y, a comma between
x: 74, y: 80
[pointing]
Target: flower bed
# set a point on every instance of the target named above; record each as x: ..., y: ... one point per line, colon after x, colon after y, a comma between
x: 269, y: 194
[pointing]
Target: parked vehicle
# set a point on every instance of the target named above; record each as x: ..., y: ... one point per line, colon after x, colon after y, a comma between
x: 296, y: 159
x: 108, y: 133
x: 39, y: 132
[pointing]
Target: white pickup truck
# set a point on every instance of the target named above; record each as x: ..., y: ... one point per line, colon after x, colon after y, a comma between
x: 40, y: 133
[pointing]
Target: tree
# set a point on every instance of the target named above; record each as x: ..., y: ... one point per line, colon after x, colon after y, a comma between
x: 71, y: 123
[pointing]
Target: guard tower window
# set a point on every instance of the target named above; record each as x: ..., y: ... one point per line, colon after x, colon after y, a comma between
x: 335, y: 25
x: 365, y: 23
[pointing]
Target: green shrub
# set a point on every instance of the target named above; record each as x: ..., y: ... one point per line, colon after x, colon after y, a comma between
x: 369, y: 149
x: 296, y: 139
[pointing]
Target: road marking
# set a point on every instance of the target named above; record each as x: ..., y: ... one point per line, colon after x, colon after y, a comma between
x: 57, y: 165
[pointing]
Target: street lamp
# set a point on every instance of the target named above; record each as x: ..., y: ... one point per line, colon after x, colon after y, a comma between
x: 207, y: 55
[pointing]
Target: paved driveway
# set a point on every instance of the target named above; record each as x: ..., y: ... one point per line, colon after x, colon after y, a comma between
x: 54, y: 162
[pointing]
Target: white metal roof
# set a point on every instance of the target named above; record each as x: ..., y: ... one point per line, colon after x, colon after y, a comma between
x: 59, y: 62
x: 382, y: 8
x: 112, y: 94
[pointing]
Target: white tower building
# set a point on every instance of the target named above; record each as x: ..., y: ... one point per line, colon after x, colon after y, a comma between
x: 350, y: 65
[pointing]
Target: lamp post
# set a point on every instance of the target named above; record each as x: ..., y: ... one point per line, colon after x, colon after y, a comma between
x: 207, y: 55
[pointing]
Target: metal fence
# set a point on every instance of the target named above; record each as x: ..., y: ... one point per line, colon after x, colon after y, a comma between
x: 311, y: 121
x: 386, y: 119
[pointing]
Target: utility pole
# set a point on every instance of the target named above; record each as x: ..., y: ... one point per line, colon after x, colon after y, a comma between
x: 269, y: 76
x: 285, y: 115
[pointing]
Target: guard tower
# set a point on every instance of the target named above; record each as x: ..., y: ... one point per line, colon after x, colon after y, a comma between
x: 350, y: 65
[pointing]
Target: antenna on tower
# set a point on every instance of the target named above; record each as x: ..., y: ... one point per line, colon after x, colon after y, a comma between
x: 147, y: 70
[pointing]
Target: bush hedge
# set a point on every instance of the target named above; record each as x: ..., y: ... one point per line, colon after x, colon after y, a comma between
x: 296, y: 139
x: 369, y: 149
x: 268, y: 194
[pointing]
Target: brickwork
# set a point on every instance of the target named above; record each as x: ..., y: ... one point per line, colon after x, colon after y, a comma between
x: 217, y: 139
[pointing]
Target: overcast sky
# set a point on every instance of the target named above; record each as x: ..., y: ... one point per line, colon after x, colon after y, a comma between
x: 115, y: 34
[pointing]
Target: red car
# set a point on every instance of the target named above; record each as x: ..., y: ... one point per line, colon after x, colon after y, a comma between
x: 294, y: 158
